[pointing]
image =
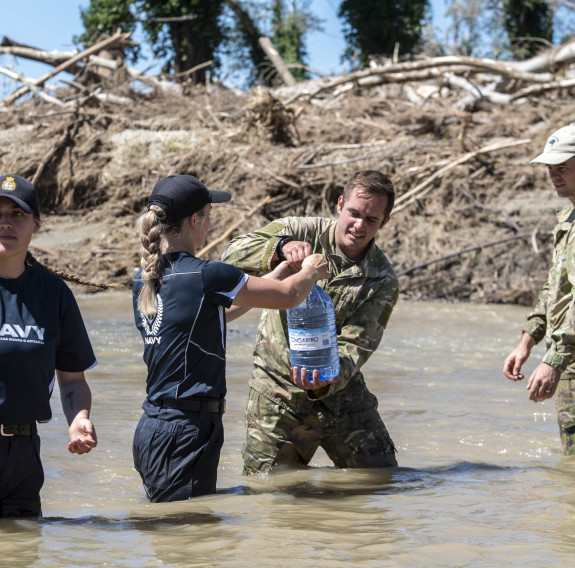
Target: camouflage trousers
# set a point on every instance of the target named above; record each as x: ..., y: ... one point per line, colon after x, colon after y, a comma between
x: 565, y: 405
x: 281, y: 434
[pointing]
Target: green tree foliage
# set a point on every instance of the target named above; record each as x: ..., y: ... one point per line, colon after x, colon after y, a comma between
x: 527, y: 20
x: 373, y: 27
x: 187, y: 42
x: 242, y: 35
x: 288, y: 36
x: 186, y: 33
x: 285, y: 22
x: 105, y: 17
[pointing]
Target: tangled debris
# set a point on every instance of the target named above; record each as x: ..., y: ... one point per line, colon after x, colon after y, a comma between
x: 472, y: 220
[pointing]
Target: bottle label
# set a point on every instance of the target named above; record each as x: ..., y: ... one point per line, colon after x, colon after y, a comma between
x: 309, y: 339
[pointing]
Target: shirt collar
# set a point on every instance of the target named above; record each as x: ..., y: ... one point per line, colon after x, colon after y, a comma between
x: 327, y: 240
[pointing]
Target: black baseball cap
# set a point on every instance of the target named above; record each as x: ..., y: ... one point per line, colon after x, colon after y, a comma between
x: 21, y: 191
x: 182, y: 195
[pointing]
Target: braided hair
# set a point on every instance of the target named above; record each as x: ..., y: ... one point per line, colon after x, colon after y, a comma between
x: 153, y: 225
x: 31, y: 260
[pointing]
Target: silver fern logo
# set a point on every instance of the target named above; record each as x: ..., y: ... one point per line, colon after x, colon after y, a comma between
x: 152, y: 325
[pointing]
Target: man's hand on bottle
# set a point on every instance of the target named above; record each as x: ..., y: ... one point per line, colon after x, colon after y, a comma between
x: 301, y: 379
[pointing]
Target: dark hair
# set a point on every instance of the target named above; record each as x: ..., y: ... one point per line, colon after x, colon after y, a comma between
x: 371, y: 183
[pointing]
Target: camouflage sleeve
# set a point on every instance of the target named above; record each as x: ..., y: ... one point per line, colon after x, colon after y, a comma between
x: 361, y: 334
x: 537, y: 319
x: 253, y: 252
x: 561, y: 352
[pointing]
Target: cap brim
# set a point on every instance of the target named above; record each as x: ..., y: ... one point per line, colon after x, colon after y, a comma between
x: 22, y: 204
x: 552, y: 158
x: 218, y: 196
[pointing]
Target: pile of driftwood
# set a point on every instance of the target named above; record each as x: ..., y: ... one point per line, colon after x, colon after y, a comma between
x: 498, y: 82
x: 471, y: 79
x: 472, y: 218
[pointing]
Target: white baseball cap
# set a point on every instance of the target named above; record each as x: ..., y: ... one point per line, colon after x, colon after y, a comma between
x: 559, y: 148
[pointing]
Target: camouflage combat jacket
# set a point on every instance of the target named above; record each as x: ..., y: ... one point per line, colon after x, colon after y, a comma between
x: 554, y: 315
x: 363, y: 294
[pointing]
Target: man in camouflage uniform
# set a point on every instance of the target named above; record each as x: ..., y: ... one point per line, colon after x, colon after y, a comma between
x: 290, y: 415
x: 554, y: 315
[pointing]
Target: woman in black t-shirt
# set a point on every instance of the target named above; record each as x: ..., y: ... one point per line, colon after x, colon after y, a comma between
x: 181, y: 304
x: 41, y: 334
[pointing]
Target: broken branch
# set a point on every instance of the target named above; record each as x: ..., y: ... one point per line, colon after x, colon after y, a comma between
x: 117, y: 37
x: 423, y: 188
x: 464, y: 251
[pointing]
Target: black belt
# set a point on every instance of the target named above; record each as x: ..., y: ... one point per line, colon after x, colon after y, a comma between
x: 218, y: 406
x: 8, y: 430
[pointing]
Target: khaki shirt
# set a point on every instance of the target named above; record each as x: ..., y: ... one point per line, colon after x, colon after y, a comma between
x: 554, y: 315
x: 363, y: 293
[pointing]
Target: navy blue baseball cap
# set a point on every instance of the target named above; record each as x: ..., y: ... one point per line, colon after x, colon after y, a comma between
x: 183, y: 195
x: 21, y: 191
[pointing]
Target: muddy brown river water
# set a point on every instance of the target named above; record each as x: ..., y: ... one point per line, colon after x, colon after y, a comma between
x: 482, y: 480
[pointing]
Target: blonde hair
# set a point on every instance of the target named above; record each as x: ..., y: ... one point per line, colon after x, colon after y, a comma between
x: 31, y: 260
x: 153, y: 225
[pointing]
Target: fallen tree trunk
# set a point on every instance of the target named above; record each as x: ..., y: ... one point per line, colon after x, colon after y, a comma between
x: 10, y: 47
x: 277, y: 61
x: 108, y: 42
x: 57, y: 58
x: 540, y: 89
x: 30, y: 83
x: 549, y: 60
x: 408, y: 71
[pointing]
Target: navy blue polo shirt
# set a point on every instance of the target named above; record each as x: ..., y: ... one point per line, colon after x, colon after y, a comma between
x: 185, y: 343
x: 41, y: 329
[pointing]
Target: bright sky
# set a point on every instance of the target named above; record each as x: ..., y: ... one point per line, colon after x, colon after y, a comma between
x: 51, y: 24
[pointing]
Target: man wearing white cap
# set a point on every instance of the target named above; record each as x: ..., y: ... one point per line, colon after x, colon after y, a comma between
x: 554, y: 315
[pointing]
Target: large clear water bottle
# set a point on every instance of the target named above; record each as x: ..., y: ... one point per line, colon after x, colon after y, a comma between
x: 313, y: 336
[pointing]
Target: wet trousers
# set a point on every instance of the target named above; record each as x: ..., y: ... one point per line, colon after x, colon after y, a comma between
x: 176, y: 452
x: 353, y: 436
x: 565, y: 405
x: 21, y: 476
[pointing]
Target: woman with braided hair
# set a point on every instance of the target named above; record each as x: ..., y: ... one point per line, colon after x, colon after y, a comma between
x: 181, y: 304
x: 41, y: 334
